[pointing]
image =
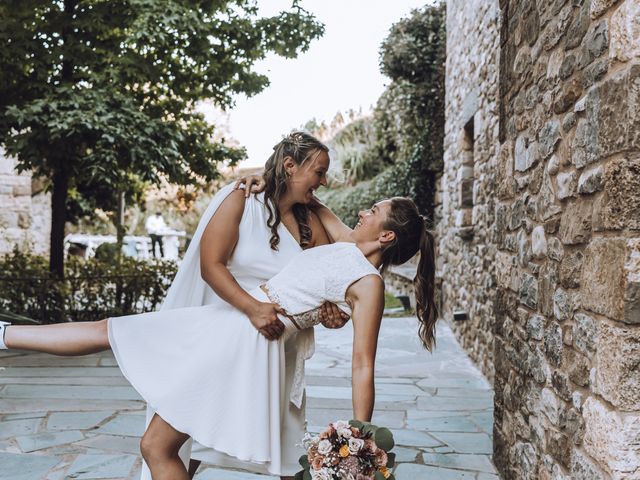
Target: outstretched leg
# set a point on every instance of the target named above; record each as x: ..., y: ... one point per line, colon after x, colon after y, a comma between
x: 159, y: 446
x: 79, y: 338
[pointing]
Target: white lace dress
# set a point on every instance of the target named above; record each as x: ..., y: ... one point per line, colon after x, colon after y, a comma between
x: 212, y: 375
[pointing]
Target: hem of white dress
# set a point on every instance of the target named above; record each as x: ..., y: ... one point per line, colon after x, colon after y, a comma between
x: 175, y: 425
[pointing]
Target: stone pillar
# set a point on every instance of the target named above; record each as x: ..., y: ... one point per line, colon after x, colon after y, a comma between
x: 25, y: 216
x: 567, y: 333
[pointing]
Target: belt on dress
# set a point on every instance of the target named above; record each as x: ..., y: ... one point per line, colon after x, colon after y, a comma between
x: 305, y: 348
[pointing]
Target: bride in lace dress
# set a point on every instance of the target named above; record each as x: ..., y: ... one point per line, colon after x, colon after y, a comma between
x: 233, y: 396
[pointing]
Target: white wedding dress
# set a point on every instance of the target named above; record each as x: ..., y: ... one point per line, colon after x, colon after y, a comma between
x: 209, y: 373
x: 252, y: 263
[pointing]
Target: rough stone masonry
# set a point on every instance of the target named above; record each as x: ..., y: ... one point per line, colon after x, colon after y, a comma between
x: 540, y: 232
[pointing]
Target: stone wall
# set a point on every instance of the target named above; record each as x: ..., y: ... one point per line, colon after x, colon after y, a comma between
x: 25, y: 215
x: 466, y: 203
x: 567, y: 331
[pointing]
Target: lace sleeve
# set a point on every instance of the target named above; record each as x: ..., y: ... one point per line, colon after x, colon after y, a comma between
x: 307, y: 319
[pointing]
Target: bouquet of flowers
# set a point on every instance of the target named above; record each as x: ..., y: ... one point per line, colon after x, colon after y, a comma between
x: 348, y: 451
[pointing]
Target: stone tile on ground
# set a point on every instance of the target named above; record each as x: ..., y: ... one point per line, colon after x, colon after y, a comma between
x: 24, y: 405
x: 480, y: 463
x: 413, y: 471
x: 26, y: 467
x: 72, y: 392
x: 47, y: 372
x: 40, y: 441
x: 220, y: 474
x: 75, y: 420
x: 112, y: 443
x: 13, y: 428
x: 444, y: 424
x: 124, y: 425
x: 423, y: 398
x: 415, y: 438
x: 466, y: 442
x: 445, y: 382
x: 101, y: 466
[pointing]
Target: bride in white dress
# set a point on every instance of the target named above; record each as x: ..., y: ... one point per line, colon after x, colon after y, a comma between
x: 233, y: 396
x: 241, y: 243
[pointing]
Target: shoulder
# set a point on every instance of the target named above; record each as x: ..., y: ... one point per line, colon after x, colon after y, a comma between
x: 369, y: 286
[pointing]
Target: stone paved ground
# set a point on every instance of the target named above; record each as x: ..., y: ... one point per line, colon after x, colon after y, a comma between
x: 77, y: 418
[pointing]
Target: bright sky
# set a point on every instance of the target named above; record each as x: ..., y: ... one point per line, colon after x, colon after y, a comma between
x: 339, y: 72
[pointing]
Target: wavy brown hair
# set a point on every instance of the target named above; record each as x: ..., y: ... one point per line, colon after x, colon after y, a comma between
x: 413, y: 236
x: 301, y: 147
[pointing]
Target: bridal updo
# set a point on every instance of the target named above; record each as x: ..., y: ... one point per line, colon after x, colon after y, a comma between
x: 412, y: 236
x: 301, y: 147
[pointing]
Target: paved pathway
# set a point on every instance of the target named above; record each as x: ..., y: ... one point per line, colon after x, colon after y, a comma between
x: 78, y: 418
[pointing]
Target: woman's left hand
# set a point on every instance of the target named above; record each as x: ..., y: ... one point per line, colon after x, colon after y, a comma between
x: 252, y: 183
x: 332, y: 317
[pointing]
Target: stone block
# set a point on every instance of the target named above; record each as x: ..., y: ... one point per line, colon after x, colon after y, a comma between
x: 546, y: 201
x: 611, y: 438
x: 575, y: 225
x: 578, y: 28
x: 598, y: 7
x: 555, y: 249
x: 505, y: 183
x: 577, y: 365
x: 612, y: 115
x: 566, y: 184
x: 585, y: 334
x: 550, y: 405
x: 556, y: 28
x: 573, y: 424
x: 553, y: 343
x: 590, y: 180
x: 561, y: 385
x: 548, y: 138
x: 568, y: 66
x: 584, y: 468
x: 571, y: 91
x: 528, y: 290
x: 560, y: 447
x: 620, y: 205
x: 538, y: 242
x: 570, y: 268
x: 611, y: 280
x: 617, y: 372
x: 526, y: 460
x: 595, y: 43
x: 625, y: 32
x: 535, y: 327
x: 584, y: 148
x: 547, y: 282
x: 526, y: 153
x: 563, y: 305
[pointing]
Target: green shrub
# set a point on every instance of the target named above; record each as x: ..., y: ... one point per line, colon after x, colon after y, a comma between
x: 92, y: 289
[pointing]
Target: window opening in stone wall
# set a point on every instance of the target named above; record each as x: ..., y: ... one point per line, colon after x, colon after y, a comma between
x: 465, y: 183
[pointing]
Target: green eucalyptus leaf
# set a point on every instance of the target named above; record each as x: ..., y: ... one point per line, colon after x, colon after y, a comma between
x: 384, y: 439
x: 304, y: 461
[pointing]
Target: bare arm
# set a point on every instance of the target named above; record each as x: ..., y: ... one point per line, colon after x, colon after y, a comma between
x: 216, y: 246
x: 367, y: 298
x: 337, y: 230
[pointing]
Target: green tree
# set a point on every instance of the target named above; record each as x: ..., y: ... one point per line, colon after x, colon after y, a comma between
x: 99, y: 95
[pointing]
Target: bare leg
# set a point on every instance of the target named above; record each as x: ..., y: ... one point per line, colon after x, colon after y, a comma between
x: 69, y: 339
x: 160, y: 445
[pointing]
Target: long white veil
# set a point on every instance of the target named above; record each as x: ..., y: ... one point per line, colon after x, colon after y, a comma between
x: 188, y: 290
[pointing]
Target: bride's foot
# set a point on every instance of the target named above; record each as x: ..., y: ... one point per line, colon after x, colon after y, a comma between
x: 3, y: 328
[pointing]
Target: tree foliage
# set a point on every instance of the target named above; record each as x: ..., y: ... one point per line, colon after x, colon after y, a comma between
x: 99, y: 95
x: 404, y: 136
